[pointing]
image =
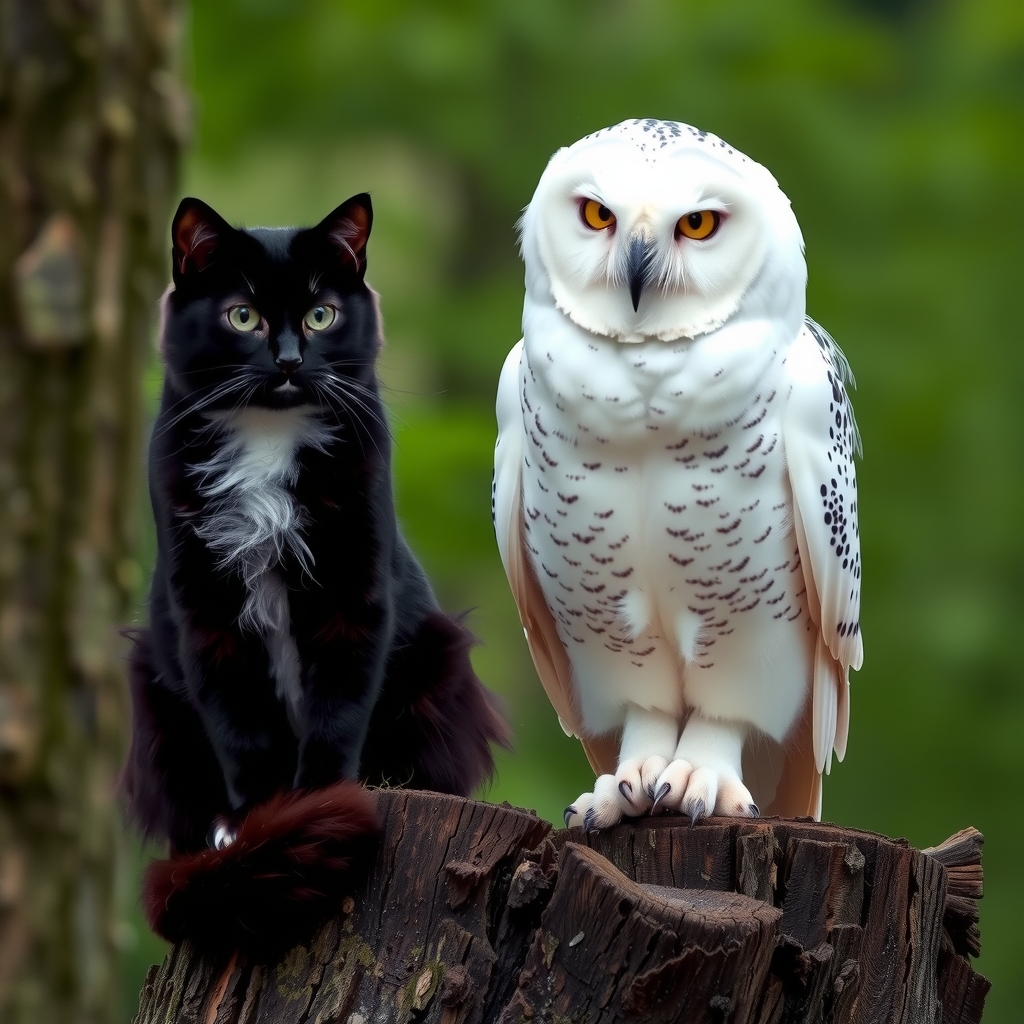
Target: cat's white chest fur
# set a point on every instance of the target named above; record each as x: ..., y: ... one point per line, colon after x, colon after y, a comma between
x: 252, y: 518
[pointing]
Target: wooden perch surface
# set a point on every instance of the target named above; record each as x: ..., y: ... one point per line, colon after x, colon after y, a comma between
x: 474, y: 912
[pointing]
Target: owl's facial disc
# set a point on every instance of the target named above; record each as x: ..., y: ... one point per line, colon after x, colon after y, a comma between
x: 636, y: 246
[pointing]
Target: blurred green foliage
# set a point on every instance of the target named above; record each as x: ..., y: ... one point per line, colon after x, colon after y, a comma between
x: 895, y: 128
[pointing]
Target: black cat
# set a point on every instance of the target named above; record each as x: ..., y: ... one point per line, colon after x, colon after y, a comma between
x: 294, y: 640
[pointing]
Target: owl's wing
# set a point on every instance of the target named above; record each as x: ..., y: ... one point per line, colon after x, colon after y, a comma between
x: 549, y: 657
x: 821, y: 438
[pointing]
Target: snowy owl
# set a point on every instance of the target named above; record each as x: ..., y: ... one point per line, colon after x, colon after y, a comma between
x: 674, y: 491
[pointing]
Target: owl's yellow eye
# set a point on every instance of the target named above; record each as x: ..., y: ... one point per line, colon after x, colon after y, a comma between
x: 319, y: 318
x: 699, y: 225
x: 597, y: 216
x: 243, y: 318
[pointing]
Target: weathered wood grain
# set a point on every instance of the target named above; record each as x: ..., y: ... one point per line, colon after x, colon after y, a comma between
x: 483, y: 914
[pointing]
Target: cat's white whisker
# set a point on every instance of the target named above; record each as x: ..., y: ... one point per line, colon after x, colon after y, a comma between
x: 221, y: 391
x: 350, y: 389
x: 347, y: 400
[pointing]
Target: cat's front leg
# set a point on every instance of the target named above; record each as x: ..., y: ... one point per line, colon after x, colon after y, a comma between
x: 172, y: 780
x: 344, y: 652
x: 225, y: 671
x: 229, y: 679
x: 224, y: 665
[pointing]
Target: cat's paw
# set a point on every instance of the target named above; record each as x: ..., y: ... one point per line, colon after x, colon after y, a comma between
x: 222, y: 834
x: 698, y: 791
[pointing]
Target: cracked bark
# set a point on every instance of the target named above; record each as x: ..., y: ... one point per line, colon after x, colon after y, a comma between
x: 480, y: 913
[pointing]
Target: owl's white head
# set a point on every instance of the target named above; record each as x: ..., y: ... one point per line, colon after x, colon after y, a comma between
x: 655, y: 229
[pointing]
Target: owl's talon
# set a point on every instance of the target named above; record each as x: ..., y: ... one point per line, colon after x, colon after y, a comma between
x: 602, y: 808
x: 754, y: 811
x: 696, y: 811
x: 663, y: 791
x: 633, y: 780
x: 567, y: 814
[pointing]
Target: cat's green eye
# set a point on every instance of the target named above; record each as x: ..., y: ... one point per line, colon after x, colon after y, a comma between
x: 319, y: 318
x: 243, y: 318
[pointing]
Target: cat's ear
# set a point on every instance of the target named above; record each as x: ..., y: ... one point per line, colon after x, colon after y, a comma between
x: 348, y: 228
x: 196, y: 231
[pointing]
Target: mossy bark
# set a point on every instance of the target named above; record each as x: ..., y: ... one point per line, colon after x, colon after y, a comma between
x: 92, y: 120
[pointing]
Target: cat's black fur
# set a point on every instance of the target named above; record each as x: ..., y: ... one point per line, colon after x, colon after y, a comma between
x: 294, y: 639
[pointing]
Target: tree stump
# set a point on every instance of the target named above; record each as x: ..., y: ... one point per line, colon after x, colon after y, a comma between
x: 473, y: 912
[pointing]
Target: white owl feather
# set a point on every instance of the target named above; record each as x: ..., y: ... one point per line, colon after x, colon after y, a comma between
x: 674, y: 491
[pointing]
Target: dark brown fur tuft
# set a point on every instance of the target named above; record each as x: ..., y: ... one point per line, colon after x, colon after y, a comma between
x: 290, y: 864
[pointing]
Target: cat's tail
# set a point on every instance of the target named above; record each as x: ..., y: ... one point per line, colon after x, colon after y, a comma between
x: 290, y: 865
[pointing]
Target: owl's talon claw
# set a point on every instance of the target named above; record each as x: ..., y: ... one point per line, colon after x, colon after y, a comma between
x: 697, y: 810
x: 626, y: 789
x: 755, y: 811
x: 588, y: 820
x: 567, y: 814
x: 666, y: 788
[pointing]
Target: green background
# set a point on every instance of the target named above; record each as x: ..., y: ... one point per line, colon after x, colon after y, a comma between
x: 895, y: 128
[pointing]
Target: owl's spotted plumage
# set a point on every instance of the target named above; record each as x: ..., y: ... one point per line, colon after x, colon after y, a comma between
x: 675, y: 498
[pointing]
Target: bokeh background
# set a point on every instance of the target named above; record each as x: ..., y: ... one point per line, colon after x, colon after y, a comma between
x: 896, y: 129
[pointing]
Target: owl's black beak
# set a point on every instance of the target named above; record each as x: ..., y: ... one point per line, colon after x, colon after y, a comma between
x: 638, y: 267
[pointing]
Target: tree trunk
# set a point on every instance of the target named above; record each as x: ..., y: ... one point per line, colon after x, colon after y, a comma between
x: 91, y: 123
x: 478, y: 913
